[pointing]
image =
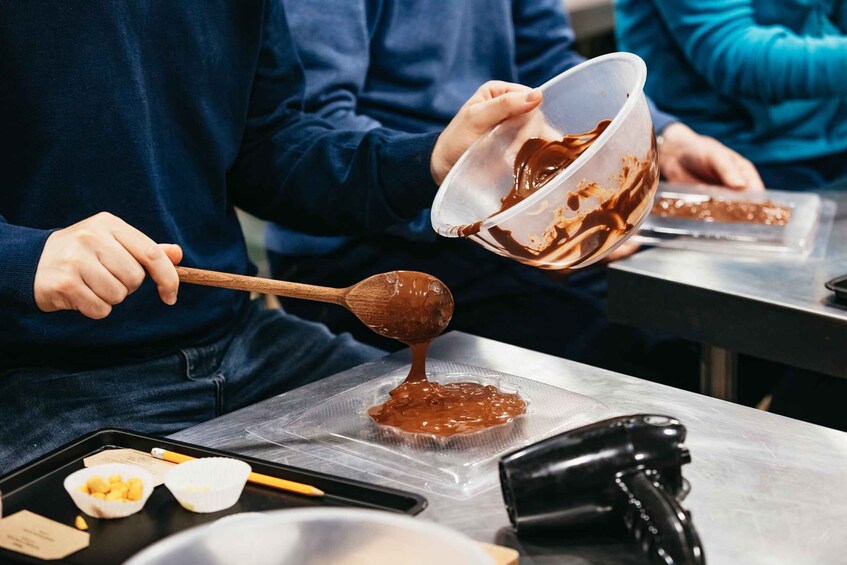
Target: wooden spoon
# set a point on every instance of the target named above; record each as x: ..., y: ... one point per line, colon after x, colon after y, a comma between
x: 408, y: 306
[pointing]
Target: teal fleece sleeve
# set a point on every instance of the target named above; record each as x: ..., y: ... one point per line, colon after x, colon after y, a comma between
x: 739, y: 57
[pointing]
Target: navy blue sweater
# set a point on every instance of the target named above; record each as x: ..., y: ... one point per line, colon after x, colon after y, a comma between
x: 167, y: 114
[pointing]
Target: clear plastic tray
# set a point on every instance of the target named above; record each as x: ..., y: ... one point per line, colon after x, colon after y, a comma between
x: 793, y: 239
x: 459, y: 466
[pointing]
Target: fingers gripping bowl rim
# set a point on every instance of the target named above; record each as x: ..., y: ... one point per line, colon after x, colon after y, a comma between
x: 607, y: 87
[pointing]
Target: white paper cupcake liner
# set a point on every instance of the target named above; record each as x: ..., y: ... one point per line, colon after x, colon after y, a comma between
x: 97, y: 508
x: 209, y: 484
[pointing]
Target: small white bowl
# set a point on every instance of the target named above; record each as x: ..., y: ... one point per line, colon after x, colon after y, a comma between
x: 209, y: 484
x: 97, y: 508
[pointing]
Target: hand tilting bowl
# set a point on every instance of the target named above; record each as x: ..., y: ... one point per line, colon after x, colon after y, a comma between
x: 586, y: 210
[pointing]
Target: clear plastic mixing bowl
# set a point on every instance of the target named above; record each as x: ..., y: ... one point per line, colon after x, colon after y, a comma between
x: 607, y: 87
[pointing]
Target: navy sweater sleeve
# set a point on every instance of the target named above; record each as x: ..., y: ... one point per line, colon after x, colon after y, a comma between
x: 20, y: 250
x: 298, y: 170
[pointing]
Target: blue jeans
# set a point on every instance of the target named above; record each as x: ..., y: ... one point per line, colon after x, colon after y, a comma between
x: 268, y: 352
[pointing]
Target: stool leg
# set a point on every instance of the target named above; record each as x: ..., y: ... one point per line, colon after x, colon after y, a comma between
x: 719, y: 373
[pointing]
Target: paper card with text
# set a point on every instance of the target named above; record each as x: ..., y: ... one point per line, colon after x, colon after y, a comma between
x: 37, y: 536
x: 156, y: 467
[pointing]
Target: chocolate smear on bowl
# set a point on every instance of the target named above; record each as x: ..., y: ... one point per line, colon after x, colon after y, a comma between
x: 573, y: 238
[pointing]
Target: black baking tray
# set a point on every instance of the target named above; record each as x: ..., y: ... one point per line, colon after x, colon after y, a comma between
x: 838, y: 285
x: 38, y: 487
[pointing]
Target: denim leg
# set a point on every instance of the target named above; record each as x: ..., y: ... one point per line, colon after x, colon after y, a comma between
x: 44, y: 408
x: 274, y: 352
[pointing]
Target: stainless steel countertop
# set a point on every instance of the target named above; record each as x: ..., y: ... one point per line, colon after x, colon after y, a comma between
x: 775, y: 309
x: 765, y: 489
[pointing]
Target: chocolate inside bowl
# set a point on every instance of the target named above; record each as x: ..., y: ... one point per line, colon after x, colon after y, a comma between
x: 564, y: 185
x: 575, y: 237
x: 447, y: 409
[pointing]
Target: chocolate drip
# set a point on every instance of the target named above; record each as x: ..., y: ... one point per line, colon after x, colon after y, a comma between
x: 470, y: 229
x: 417, y: 373
x: 717, y: 210
x: 421, y: 406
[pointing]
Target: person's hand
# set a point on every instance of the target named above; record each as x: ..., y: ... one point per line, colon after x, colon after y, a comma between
x: 494, y: 102
x: 690, y: 158
x: 96, y: 263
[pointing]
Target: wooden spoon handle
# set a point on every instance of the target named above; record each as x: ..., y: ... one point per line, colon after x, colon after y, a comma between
x: 257, y: 284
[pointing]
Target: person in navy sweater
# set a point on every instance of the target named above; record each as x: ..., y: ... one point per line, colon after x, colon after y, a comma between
x: 409, y: 65
x: 130, y: 129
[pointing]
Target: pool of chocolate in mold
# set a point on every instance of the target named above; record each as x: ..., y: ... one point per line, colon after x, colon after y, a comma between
x: 719, y: 210
x: 428, y: 407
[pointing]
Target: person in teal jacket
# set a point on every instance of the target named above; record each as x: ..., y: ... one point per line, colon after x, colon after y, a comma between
x: 767, y: 78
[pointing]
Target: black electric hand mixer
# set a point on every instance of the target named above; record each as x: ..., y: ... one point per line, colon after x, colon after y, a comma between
x: 627, y: 468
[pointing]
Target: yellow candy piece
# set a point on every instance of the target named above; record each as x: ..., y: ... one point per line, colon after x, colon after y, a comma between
x: 134, y: 493
x: 80, y: 524
x: 115, y: 490
x: 97, y: 484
